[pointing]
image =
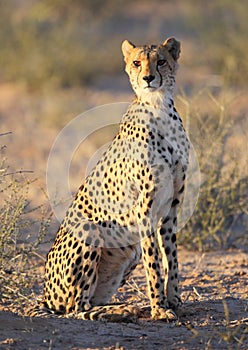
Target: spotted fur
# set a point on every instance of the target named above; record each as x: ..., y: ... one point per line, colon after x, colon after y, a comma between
x: 127, y: 206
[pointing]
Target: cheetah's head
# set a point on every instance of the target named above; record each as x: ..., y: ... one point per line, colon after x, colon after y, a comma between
x: 151, y: 69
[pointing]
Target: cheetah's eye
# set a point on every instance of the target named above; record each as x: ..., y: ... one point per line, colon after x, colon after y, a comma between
x: 137, y: 63
x: 161, y: 62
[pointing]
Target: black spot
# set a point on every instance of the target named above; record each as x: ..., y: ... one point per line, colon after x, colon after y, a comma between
x: 79, y: 249
x: 162, y: 231
x: 86, y: 255
x: 90, y: 272
x: 154, y: 266
x: 175, y: 202
x: 166, y: 219
x: 86, y: 268
x: 94, y: 279
x: 61, y: 308
x: 173, y: 238
x: 79, y: 260
x: 147, y: 186
x: 88, y: 241
x: 97, y: 242
x: 75, y: 245
x: 93, y: 256
x: 79, y: 276
x: 86, y: 287
x: 86, y: 227
x: 150, y: 203
x: 150, y: 252
x: 167, y: 250
x: 181, y: 190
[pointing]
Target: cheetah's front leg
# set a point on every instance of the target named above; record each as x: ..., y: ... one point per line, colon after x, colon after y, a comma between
x: 158, y: 301
x: 166, y: 236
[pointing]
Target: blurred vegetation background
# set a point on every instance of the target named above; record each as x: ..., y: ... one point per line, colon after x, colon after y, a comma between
x: 67, y: 43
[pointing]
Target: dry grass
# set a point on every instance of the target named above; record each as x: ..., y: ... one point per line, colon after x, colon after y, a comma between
x: 220, y: 217
x: 19, y: 255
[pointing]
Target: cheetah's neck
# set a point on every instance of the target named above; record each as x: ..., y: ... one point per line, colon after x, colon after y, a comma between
x: 157, y: 99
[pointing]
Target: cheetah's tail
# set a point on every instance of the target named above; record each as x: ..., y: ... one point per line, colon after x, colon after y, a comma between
x: 115, y: 312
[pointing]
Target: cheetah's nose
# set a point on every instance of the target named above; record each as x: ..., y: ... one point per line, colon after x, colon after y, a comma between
x: 149, y: 78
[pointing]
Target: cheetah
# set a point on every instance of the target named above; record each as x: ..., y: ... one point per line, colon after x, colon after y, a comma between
x: 127, y: 206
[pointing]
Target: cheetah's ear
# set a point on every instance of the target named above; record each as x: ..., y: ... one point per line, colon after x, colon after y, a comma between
x: 127, y: 47
x: 173, y: 46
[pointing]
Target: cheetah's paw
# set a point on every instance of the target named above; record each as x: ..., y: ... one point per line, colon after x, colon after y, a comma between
x: 164, y: 314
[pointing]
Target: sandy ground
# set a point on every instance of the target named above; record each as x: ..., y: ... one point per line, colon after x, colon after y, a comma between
x: 214, y: 288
